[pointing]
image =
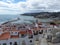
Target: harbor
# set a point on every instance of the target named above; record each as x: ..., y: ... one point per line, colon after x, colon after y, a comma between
x: 29, y: 22
x: 30, y: 32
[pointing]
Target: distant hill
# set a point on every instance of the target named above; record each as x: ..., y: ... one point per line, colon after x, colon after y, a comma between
x: 44, y: 14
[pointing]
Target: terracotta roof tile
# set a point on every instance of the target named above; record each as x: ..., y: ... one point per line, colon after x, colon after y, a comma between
x: 15, y: 36
x: 5, y: 36
x: 36, y: 28
x: 23, y: 32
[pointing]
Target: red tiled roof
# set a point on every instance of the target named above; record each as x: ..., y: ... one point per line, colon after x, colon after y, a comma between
x: 5, y: 36
x: 23, y: 32
x: 36, y: 28
x: 15, y: 36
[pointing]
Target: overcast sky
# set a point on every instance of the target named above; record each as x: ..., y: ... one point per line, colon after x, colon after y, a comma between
x: 22, y: 6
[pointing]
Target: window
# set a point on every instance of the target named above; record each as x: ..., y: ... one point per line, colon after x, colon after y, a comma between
x: 23, y: 26
x: 4, y: 44
x: 30, y: 41
x: 40, y: 32
x: 15, y: 32
x: 36, y: 33
x: 15, y: 43
x: 31, y: 36
x: 10, y: 43
x: 23, y: 35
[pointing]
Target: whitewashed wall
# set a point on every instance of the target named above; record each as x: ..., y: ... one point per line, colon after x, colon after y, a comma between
x: 19, y: 41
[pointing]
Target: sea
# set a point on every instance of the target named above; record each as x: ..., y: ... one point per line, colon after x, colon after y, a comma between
x: 23, y: 19
x: 5, y: 18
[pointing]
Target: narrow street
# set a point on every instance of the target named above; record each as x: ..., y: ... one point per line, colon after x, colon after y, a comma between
x: 43, y: 41
x: 53, y: 43
x: 37, y: 43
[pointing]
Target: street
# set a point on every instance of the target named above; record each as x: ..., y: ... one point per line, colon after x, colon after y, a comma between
x: 53, y: 43
x: 43, y: 41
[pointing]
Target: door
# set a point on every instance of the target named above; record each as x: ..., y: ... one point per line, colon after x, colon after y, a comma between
x: 15, y: 43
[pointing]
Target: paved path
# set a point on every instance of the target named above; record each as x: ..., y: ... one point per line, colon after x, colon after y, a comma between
x: 53, y: 44
x: 42, y: 41
x: 37, y: 43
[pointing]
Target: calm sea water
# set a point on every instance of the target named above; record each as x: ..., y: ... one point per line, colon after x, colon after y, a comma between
x: 4, y: 18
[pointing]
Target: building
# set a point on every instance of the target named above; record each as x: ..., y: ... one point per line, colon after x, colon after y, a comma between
x: 23, y: 34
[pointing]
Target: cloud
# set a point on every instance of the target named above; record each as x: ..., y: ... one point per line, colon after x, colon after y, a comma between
x: 40, y: 5
x: 44, y: 5
x: 10, y: 8
x: 29, y: 6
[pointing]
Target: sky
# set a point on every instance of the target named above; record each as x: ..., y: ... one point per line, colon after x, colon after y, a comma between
x: 23, y: 6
